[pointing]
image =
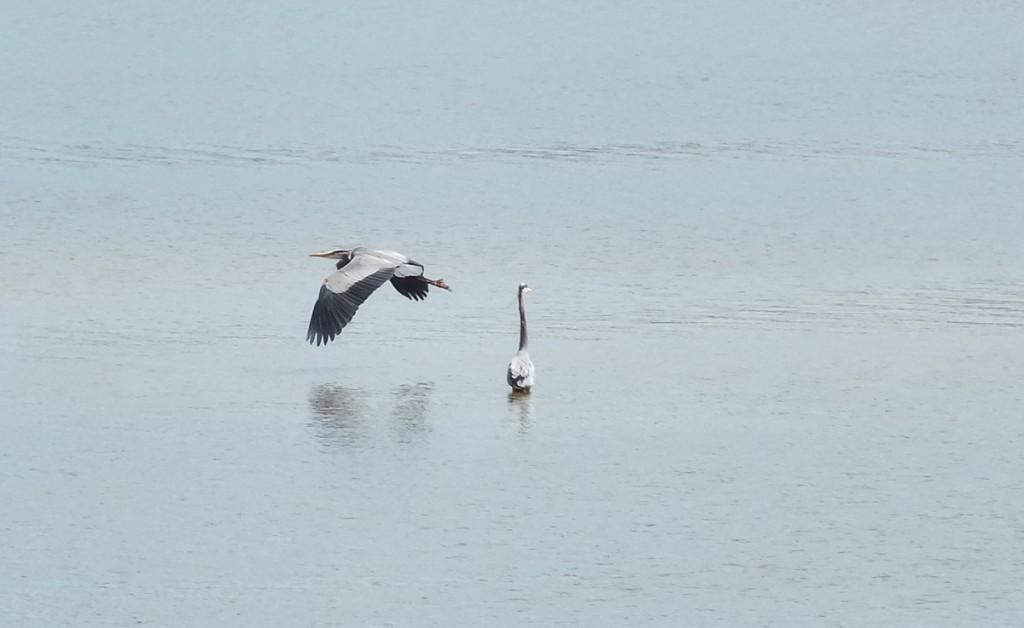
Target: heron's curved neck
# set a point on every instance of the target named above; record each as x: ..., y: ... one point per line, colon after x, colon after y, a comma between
x: 522, y: 322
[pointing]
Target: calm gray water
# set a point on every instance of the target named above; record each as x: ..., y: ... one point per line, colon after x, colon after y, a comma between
x: 778, y: 319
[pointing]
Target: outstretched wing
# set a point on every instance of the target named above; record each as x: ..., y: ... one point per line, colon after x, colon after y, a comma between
x: 343, y: 292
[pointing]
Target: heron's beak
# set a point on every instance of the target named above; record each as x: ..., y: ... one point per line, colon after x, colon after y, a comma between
x: 330, y: 254
x: 527, y: 289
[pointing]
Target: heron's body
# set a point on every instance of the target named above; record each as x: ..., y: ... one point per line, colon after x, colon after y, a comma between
x: 520, y: 368
x: 360, y: 272
x: 520, y: 372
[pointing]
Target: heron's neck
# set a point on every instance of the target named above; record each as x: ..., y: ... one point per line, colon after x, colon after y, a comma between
x: 522, y: 323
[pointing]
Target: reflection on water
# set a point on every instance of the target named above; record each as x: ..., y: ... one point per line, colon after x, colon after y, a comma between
x: 412, y: 402
x: 814, y: 302
x: 339, y: 413
x: 521, y: 407
x: 343, y: 415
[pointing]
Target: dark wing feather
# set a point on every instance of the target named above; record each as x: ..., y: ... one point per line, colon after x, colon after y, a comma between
x: 334, y: 310
x: 410, y: 287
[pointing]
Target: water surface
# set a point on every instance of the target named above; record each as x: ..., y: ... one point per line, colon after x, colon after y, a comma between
x: 777, y: 320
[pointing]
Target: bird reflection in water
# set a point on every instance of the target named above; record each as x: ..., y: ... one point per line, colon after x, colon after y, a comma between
x: 412, y: 403
x: 345, y: 416
x: 521, y: 406
x: 339, y: 413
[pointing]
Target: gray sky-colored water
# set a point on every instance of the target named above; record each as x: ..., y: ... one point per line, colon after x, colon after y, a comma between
x: 777, y: 319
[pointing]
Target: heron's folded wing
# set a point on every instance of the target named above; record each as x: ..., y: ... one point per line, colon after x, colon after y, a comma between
x: 342, y: 294
x: 518, y: 367
x: 520, y: 371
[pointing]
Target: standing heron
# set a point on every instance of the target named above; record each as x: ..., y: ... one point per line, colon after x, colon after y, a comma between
x: 360, y: 272
x: 520, y: 369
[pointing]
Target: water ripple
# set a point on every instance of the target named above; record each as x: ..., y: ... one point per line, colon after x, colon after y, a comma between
x: 979, y: 305
x: 24, y: 150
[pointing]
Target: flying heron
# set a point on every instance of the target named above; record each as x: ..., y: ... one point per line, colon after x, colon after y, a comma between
x: 360, y: 272
x: 520, y: 369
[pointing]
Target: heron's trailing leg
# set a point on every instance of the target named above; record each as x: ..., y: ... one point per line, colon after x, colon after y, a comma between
x: 438, y: 282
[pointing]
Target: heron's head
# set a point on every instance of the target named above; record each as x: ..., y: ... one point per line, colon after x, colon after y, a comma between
x: 343, y: 254
x: 523, y: 288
